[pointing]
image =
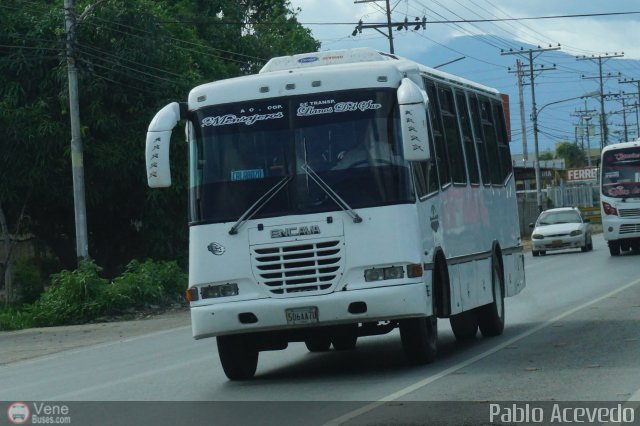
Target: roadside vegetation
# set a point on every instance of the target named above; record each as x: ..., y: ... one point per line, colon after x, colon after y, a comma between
x: 133, y: 57
x: 83, y: 295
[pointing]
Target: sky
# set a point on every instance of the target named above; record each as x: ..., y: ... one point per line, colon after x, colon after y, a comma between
x: 333, y: 21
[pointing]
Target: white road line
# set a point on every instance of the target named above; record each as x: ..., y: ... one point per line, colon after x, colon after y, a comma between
x: 399, y: 394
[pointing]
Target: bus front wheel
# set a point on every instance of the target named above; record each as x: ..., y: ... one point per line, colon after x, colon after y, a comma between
x: 238, y: 356
x: 420, y: 339
x: 614, y: 248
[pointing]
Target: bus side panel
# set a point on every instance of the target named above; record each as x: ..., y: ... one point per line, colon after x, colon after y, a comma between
x: 514, y: 280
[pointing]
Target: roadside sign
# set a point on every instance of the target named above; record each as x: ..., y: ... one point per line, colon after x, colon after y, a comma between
x: 586, y: 174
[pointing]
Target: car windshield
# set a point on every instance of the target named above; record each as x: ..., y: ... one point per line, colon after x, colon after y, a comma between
x: 553, y: 218
x: 351, y: 139
x: 621, y: 173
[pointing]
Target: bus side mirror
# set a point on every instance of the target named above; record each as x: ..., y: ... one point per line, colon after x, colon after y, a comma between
x: 157, y: 146
x: 413, y: 121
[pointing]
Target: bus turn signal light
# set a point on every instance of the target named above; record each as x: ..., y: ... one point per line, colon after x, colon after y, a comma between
x: 192, y: 294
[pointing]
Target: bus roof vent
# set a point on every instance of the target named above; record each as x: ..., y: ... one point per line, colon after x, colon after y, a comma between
x: 333, y: 57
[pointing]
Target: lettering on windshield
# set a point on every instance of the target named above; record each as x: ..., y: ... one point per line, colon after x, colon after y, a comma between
x: 307, y: 109
x: 249, y: 120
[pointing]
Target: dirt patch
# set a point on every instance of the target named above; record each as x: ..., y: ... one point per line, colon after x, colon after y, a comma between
x: 34, y: 342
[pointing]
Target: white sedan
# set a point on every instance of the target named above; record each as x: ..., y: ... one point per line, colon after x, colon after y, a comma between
x: 559, y: 229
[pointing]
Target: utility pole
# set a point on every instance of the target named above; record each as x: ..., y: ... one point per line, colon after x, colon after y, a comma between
x: 523, y: 125
x: 534, y: 114
x: 630, y: 81
x: 604, y: 136
x: 586, y: 115
x: 77, y: 162
x: 389, y: 25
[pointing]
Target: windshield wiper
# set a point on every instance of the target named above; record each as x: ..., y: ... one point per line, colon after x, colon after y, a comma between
x: 262, y: 201
x: 331, y: 193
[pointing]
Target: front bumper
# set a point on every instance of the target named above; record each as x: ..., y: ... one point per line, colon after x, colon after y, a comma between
x: 382, y: 303
x: 558, y: 243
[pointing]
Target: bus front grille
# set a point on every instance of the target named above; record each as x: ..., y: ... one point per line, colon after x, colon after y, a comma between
x: 630, y: 228
x: 301, y: 266
x: 629, y: 212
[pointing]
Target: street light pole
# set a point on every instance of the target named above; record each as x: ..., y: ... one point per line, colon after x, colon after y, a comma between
x: 534, y: 117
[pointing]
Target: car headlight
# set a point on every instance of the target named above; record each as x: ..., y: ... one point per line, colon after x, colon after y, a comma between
x: 537, y: 236
x: 576, y: 232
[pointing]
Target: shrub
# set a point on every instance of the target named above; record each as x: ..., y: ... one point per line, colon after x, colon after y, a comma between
x: 73, y: 298
x: 14, y: 319
x: 28, y: 280
x: 144, y: 283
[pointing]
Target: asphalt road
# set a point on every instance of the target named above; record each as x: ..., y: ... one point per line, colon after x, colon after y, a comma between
x: 573, y: 334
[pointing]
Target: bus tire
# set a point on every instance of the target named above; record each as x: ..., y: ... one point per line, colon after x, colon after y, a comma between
x: 535, y: 253
x: 344, y: 343
x: 318, y: 344
x: 614, y: 248
x: 420, y: 339
x: 238, y: 357
x: 491, y: 316
x: 464, y: 325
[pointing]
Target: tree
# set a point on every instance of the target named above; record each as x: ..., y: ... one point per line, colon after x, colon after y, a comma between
x: 545, y: 156
x: 134, y: 56
x: 572, y: 154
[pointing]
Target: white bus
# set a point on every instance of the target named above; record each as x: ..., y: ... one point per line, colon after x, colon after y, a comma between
x: 342, y: 194
x: 620, y: 196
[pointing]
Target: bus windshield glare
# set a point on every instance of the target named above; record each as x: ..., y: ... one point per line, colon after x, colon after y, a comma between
x: 351, y: 139
x: 621, y: 173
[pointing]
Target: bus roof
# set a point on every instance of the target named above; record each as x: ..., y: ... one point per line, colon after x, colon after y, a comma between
x: 364, y: 54
x: 622, y: 145
x: 331, y: 70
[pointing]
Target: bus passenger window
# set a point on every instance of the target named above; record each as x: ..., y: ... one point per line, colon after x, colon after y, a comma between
x: 438, y: 135
x: 452, y: 135
x: 479, y: 139
x: 467, y: 138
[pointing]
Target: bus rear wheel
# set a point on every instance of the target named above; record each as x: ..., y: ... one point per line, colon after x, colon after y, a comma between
x: 491, y: 316
x: 464, y: 325
x: 420, y: 339
x: 238, y: 356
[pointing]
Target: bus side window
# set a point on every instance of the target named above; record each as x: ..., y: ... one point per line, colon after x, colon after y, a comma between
x: 438, y: 135
x: 489, y: 131
x: 479, y: 139
x: 426, y: 173
x: 467, y: 138
x: 503, y: 143
x: 452, y: 134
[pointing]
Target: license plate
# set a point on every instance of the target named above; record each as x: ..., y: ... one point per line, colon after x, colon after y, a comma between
x: 306, y: 315
x: 556, y: 243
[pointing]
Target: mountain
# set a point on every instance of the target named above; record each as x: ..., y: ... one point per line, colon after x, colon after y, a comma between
x: 485, y: 64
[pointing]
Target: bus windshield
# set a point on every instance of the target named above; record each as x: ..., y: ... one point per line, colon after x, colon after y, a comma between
x: 621, y: 173
x: 351, y: 139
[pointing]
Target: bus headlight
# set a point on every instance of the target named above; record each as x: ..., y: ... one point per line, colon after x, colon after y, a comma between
x: 374, y: 274
x: 393, y: 273
x: 221, y: 290
x: 379, y: 274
